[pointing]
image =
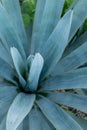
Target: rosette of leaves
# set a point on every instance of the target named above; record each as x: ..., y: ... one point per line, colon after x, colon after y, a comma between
x: 36, y: 68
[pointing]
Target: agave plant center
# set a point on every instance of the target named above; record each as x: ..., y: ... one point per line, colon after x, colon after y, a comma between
x: 28, y: 72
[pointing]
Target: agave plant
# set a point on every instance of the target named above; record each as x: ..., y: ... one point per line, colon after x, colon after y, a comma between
x: 36, y: 69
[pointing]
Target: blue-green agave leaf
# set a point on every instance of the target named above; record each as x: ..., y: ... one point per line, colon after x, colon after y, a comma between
x: 3, y: 83
x: 3, y: 124
x: 55, y: 45
x: 8, y: 34
x: 29, y: 36
x: 7, y: 72
x: 19, y: 64
x: 26, y: 122
x: 71, y: 80
x: 37, y: 21
x: 72, y: 61
x: 35, y: 71
x: 79, y: 15
x: 19, y: 109
x: 37, y: 121
x: 82, y: 91
x: 58, y: 117
x: 77, y: 42
x: 13, y: 9
x: 20, y: 127
x: 29, y: 61
x: 7, y: 94
x: 73, y: 100
x: 5, y: 55
x: 50, y: 17
x: 82, y: 122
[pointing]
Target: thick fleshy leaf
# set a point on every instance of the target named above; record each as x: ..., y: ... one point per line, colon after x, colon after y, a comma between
x: 72, y: 80
x: 19, y: 64
x: 5, y: 55
x: 77, y: 42
x: 8, y: 34
x: 20, y: 127
x: 82, y: 122
x: 37, y: 121
x: 26, y: 123
x: 82, y: 91
x: 51, y: 15
x: 29, y: 36
x: 72, y: 100
x: 29, y: 61
x: 79, y: 15
x: 55, y: 45
x: 72, y: 61
x: 3, y: 124
x: 5, y: 83
x: 35, y: 71
x: 19, y: 109
x: 7, y: 72
x: 13, y: 9
x: 37, y: 21
x: 7, y: 94
x: 58, y: 117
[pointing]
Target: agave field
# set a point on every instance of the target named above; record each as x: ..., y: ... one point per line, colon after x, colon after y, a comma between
x: 43, y: 65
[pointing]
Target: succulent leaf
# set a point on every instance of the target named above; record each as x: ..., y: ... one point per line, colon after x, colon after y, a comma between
x: 7, y: 95
x: 79, y: 15
x: 13, y: 9
x: 19, y: 64
x: 55, y: 114
x: 18, y: 110
x: 72, y: 61
x: 72, y: 100
x: 35, y: 71
x: 49, y: 19
x: 40, y: 121
x: 56, y: 44
x: 75, y: 79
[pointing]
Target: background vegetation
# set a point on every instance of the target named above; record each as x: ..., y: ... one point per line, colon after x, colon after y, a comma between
x: 28, y: 11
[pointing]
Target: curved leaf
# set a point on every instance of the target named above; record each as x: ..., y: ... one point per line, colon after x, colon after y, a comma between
x: 50, y: 17
x: 35, y: 71
x: 3, y: 124
x: 20, y: 127
x: 72, y: 100
x: 7, y: 94
x: 29, y: 36
x: 79, y: 15
x: 58, y: 117
x: 19, y: 64
x: 77, y: 42
x: 37, y: 121
x: 13, y: 9
x: 5, y: 55
x: 72, y: 80
x: 37, y: 21
x: 81, y: 121
x: 72, y: 61
x: 55, y: 45
x: 19, y: 109
x: 8, y: 33
x: 7, y: 72
x: 26, y: 122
